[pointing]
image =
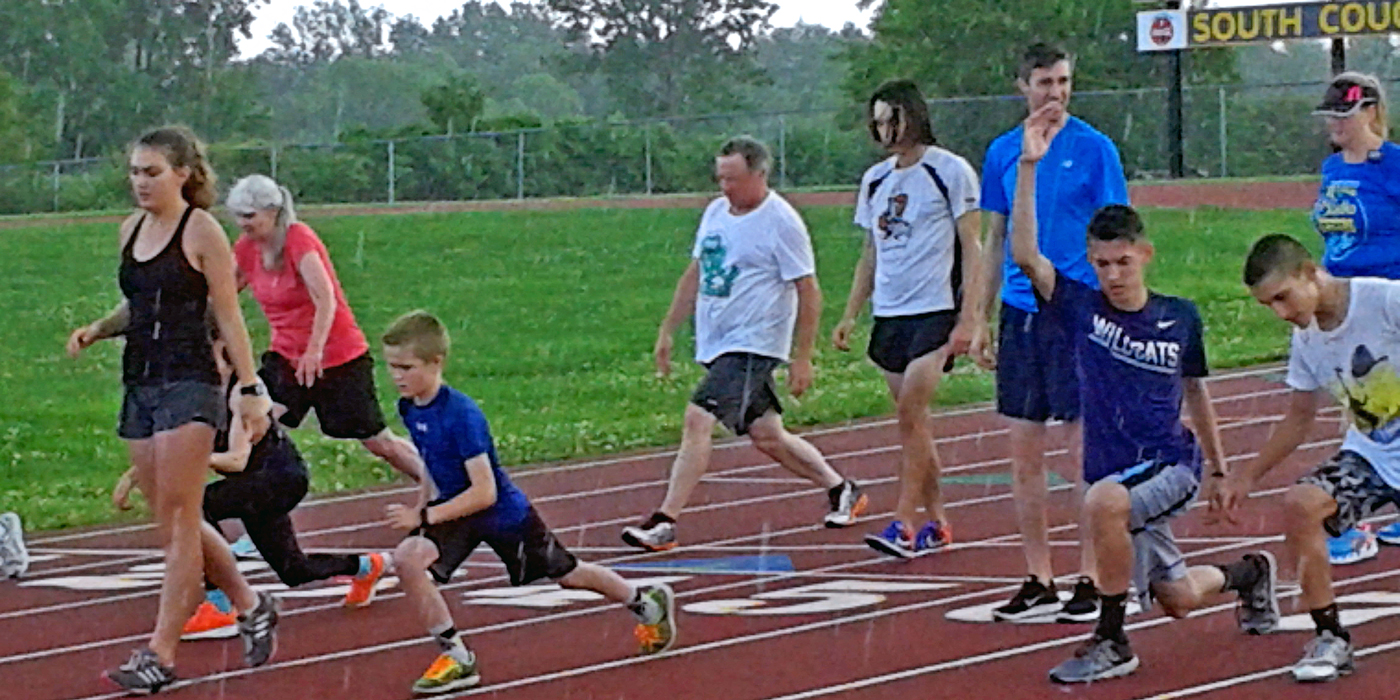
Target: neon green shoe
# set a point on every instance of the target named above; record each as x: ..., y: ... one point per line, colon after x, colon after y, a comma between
x: 446, y: 675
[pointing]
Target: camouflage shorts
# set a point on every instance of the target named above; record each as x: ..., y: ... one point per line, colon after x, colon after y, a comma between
x: 1353, y: 483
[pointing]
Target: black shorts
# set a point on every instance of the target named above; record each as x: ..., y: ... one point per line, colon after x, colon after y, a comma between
x: 895, y: 341
x: 344, y: 397
x: 1353, y: 483
x: 530, y: 551
x: 147, y: 410
x: 1036, y: 378
x: 738, y: 389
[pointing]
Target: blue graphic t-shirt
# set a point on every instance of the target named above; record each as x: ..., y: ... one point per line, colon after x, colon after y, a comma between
x: 450, y: 430
x: 1078, y: 175
x: 1131, y: 366
x: 1358, y: 215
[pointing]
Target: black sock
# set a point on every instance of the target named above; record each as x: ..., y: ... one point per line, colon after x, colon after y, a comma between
x: 1239, y: 576
x: 657, y: 518
x: 834, y: 492
x: 1328, y: 619
x: 1112, y: 610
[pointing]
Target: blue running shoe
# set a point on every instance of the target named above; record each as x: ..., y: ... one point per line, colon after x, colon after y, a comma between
x: 243, y: 548
x: 895, y: 540
x: 1355, y: 545
x: 932, y: 537
x: 1390, y: 534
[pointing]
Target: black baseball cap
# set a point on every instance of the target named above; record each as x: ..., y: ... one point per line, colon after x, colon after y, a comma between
x: 1347, y: 95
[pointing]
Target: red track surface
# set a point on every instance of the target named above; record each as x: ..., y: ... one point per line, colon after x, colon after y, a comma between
x: 54, y: 641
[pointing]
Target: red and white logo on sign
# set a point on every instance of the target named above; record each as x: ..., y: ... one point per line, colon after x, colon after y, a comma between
x: 1162, y: 31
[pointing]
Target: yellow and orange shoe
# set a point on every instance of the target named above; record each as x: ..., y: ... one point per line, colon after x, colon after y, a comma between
x: 209, y: 622
x: 362, y: 588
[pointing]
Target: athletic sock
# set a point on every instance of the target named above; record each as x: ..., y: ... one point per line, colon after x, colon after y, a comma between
x: 657, y: 518
x: 1328, y: 619
x: 220, y: 600
x: 1112, y: 610
x: 451, y: 644
x: 1239, y: 576
x: 834, y: 492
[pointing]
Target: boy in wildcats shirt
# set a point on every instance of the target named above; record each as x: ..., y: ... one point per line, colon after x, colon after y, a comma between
x: 1139, y: 356
x: 475, y: 503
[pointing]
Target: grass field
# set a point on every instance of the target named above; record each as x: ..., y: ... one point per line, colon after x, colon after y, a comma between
x: 553, y: 316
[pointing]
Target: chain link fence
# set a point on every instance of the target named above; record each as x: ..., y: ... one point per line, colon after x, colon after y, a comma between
x: 1230, y: 131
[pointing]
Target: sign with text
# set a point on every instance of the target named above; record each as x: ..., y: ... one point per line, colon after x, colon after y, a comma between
x: 1161, y: 30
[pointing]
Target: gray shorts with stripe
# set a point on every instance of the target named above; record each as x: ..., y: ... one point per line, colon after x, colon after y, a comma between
x: 1158, y: 492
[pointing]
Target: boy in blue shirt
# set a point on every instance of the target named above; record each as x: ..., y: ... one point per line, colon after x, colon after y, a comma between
x: 475, y: 503
x: 1139, y: 355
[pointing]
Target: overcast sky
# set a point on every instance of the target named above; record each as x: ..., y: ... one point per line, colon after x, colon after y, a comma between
x: 832, y: 13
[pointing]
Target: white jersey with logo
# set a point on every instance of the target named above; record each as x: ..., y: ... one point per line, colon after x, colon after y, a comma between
x: 1359, y: 363
x: 747, y: 301
x: 911, y: 215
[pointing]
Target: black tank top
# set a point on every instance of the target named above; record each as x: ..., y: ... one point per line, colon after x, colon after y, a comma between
x: 166, y: 339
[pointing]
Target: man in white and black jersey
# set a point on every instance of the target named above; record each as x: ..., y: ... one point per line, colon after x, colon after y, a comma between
x: 919, y: 208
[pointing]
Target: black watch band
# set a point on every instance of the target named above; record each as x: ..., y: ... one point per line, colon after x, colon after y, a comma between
x: 254, y: 389
x: 423, y: 517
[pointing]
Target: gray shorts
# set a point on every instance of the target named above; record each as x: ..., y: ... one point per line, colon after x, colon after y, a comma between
x: 738, y: 389
x: 150, y: 409
x: 1158, y: 492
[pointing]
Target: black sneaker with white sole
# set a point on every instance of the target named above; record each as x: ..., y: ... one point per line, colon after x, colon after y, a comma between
x: 656, y: 534
x: 142, y: 674
x: 1034, y: 599
x: 1083, y: 604
x: 258, y: 628
x: 847, y: 503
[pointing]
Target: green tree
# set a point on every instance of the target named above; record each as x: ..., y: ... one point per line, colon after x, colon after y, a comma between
x: 327, y: 31
x: 971, y: 47
x: 456, y: 104
x: 669, y: 57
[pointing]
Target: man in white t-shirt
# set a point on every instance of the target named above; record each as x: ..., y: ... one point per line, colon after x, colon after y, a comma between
x: 1346, y: 342
x: 923, y: 235
x: 752, y: 286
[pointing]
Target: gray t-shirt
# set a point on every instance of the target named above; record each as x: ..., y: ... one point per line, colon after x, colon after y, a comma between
x: 747, y: 301
x: 1358, y: 363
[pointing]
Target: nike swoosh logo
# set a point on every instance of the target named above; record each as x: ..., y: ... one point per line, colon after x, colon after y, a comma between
x: 1163, y: 325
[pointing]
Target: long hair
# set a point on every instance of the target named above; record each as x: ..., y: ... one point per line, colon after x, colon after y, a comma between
x: 184, y: 150
x: 909, y: 107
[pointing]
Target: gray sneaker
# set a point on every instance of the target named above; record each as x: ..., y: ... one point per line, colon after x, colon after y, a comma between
x: 651, y: 535
x: 14, y: 558
x: 1097, y: 660
x: 1325, y: 658
x: 259, y: 630
x: 1258, y: 609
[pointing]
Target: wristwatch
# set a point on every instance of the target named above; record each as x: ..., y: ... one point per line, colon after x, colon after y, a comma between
x: 255, y: 389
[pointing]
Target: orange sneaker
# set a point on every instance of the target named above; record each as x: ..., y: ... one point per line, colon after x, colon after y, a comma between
x: 362, y: 588
x: 208, y: 622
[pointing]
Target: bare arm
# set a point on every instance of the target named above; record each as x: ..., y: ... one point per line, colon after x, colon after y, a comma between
x: 212, y: 256
x: 971, y: 328
x: 682, y: 306
x: 1287, y: 435
x: 235, y: 459
x: 1202, y: 414
x: 322, y: 292
x: 116, y: 320
x: 862, y: 286
x: 478, y: 497
x: 809, y: 314
x: 1025, y: 245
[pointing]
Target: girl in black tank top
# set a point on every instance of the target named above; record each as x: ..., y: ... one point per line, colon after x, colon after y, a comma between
x: 165, y: 339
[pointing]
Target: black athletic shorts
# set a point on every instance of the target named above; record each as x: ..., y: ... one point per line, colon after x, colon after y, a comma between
x: 738, y: 389
x: 530, y: 551
x: 1353, y: 483
x: 895, y: 341
x: 150, y: 409
x: 344, y: 397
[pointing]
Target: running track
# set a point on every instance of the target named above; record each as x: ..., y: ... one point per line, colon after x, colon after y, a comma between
x: 843, y: 622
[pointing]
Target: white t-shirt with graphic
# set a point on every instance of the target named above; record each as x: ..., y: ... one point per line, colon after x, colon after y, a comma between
x: 1359, y: 364
x: 747, y: 301
x: 911, y: 215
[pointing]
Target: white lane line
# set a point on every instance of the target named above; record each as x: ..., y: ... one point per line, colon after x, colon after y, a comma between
x: 1261, y: 675
x: 528, y: 471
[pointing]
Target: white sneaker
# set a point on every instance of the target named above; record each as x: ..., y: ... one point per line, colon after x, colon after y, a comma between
x: 14, y: 558
x: 847, y: 503
x: 1325, y: 658
x: 657, y: 536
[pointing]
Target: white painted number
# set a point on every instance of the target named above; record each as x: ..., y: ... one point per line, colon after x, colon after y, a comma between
x: 828, y: 597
